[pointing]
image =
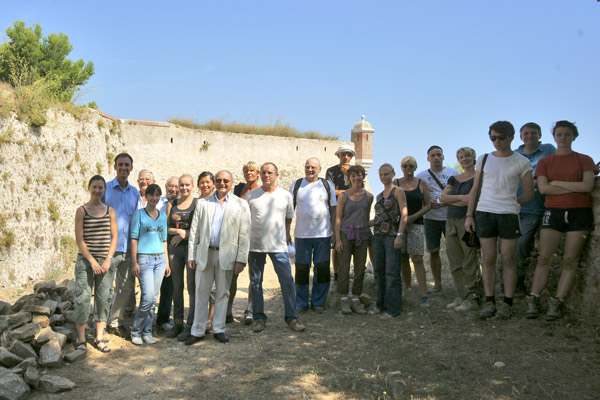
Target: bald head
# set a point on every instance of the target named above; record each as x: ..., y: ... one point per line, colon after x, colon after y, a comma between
x: 312, y: 168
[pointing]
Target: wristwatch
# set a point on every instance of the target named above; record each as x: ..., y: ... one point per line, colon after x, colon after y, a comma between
x: 400, y: 234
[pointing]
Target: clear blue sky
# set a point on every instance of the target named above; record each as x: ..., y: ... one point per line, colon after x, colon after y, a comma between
x: 423, y: 72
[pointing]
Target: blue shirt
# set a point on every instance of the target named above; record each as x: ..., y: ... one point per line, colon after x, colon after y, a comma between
x: 124, y: 202
x: 535, y: 206
x: 217, y: 219
x: 150, y: 233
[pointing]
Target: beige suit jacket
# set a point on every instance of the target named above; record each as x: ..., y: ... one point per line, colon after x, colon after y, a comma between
x: 234, y: 241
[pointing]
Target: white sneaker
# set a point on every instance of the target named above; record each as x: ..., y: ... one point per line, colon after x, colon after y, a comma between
x: 149, y: 339
x: 137, y: 340
x: 467, y: 305
x: 457, y: 302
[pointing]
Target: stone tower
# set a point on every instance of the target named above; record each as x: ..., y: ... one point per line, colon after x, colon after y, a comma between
x: 362, y: 137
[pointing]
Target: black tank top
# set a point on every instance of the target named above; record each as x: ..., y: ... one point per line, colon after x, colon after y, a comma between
x: 414, y: 200
x: 181, y: 219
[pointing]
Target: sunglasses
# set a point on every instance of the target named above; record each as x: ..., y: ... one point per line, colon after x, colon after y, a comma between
x: 222, y: 180
x: 408, y: 166
x: 499, y: 137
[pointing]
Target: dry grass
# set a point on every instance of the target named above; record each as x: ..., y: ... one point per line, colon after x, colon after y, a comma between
x: 279, y: 128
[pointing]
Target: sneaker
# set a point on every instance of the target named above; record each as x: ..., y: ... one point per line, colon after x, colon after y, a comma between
x: 248, y: 317
x: 533, y: 303
x: 174, y: 332
x: 468, y: 304
x: 488, y: 310
x: 554, y: 305
x: 319, y: 309
x: 357, y: 307
x: 296, y: 325
x: 457, y: 302
x: 191, y: 339
x: 185, y: 332
x: 504, y: 311
x: 425, y: 302
x: 258, y: 325
x: 138, y: 341
x: 166, y: 327
x: 345, y: 305
x: 148, y: 339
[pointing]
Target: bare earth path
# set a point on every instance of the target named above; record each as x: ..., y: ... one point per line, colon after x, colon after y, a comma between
x: 423, y: 354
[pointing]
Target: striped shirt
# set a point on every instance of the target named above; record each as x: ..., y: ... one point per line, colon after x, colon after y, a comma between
x: 96, y: 233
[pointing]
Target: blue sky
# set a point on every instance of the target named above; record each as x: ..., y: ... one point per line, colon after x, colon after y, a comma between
x: 423, y: 72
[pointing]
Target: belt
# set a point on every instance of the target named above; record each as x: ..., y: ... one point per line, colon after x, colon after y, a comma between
x: 213, y: 247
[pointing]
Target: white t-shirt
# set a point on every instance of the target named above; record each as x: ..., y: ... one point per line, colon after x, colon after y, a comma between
x: 312, y: 209
x: 501, y: 177
x: 268, y: 213
x: 435, y: 191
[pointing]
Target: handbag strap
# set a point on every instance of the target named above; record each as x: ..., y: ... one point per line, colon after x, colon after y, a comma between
x: 480, y: 181
x: 435, y: 179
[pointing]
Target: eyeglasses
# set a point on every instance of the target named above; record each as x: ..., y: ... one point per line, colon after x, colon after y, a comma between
x: 222, y: 180
x: 499, y: 137
x: 408, y: 166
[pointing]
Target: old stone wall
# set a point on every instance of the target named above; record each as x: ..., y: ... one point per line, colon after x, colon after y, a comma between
x: 44, y: 174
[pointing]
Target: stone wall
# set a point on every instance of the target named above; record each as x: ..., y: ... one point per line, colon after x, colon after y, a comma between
x: 44, y: 174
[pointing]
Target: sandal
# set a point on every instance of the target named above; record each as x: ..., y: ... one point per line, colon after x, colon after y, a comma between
x: 101, y: 346
x: 81, y: 346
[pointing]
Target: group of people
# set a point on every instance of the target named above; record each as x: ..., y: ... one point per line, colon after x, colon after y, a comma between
x: 166, y: 241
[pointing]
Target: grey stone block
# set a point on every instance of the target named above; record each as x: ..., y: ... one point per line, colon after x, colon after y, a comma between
x: 18, y: 319
x: 42, y: 320
x: 76, y: 356
x: 50, y: 354
x: 26, y: 332
x: 23, y: 365
x: 54, y: 384
x: 9, y: 359
x: 57, y: 319
x: 51, y: 304
x: 44, y: 336
x: 31, y: 376
x: 23, y: 350
x: 37, y: 309
x: 12, y: 386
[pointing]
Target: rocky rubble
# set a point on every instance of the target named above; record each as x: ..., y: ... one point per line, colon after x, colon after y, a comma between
x: 37, y: 333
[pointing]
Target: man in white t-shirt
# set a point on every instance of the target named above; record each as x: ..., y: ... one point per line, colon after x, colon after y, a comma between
x: 271, y: 212
x: 315, y: 204
x: 497, y: 214
x: 434, y: 221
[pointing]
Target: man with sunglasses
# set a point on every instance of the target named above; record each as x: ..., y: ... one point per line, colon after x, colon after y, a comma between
x: 434, y: 221
x: 496, y: 214
x: 218, y: 246
x: 531, y: 213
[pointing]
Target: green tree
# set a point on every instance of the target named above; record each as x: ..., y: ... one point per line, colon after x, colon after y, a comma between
x: 27, y: 57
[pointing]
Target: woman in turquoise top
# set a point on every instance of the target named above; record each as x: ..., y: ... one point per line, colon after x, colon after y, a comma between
x: 148, y: 262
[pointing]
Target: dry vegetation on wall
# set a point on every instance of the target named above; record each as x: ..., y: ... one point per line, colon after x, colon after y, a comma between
x: 279, y: 128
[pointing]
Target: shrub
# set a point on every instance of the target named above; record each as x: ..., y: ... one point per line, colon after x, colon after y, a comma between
x: 53, y: 210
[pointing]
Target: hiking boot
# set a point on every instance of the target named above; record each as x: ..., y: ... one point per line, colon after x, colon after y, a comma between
x: 520, y: 290
x: 345, y: 305
x: 296, y: 325
x: 258, y: 325
x: 187, y: 331
x: 175, y: 331
x: 425, y: 302
x: 468, y: 304
x: 457, y: 302
x: 504, y: 311
x: 357, y: 307
x: 533, y: 303
x: 488, y: 310
x: 554, y: 305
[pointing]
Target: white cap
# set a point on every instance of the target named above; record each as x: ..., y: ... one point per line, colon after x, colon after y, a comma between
x: 345, y: 149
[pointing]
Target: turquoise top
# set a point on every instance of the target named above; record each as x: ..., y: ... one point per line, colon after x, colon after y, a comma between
x: 149, y: 233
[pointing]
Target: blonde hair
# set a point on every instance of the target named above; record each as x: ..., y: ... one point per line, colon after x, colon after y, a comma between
x: 410, y: 159
x: 250, y: 165
x: 467, y: 150
x: 187, y: 176
x: 388, y: 166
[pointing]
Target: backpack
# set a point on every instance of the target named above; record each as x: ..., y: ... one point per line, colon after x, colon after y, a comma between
x: 323, y: 181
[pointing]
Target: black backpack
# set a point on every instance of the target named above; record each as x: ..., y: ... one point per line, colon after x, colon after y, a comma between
x: 323, y: 181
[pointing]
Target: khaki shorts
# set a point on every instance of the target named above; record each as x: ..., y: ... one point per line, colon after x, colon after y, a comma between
x: 414, y: 240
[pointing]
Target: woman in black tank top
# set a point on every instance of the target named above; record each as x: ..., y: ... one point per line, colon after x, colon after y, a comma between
x: 96, y: 236
x: 418, y: 202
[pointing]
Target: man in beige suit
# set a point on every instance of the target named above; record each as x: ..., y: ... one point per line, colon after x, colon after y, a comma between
x: 219, y: 242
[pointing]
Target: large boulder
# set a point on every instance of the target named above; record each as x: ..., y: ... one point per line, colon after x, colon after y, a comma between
x: 12, y: 386
x: 23, y: 365
x: 37, y: 309
x: 9, y: 359
x: 54, y: 384
x: 31, y: 376
x: 44, y: 336
x: 23, y: 350
x: 51, y: 304
x: 18, y: 319
x: 5, y: 308
x: 51, y: 354
x: 26, y: 332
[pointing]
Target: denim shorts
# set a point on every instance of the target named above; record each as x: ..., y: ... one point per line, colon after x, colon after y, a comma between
x: 491, y: 225
x: 433, y: 234
x: 568, y: 219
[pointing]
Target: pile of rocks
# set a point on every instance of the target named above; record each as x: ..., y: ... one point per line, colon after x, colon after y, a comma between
x: 35, y: 333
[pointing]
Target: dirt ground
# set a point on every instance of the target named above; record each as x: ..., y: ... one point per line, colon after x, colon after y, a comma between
x: 431, y: 353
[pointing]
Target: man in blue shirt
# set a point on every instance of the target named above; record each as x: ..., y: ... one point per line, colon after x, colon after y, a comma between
x: 123, y: 198
x: 531, y: 213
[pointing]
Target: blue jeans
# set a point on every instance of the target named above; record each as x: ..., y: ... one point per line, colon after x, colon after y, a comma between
x: 387, y: 267
x: 283, y: 269
x: 152, y: 271
x: 317, y: 251
x: 530, y: 224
